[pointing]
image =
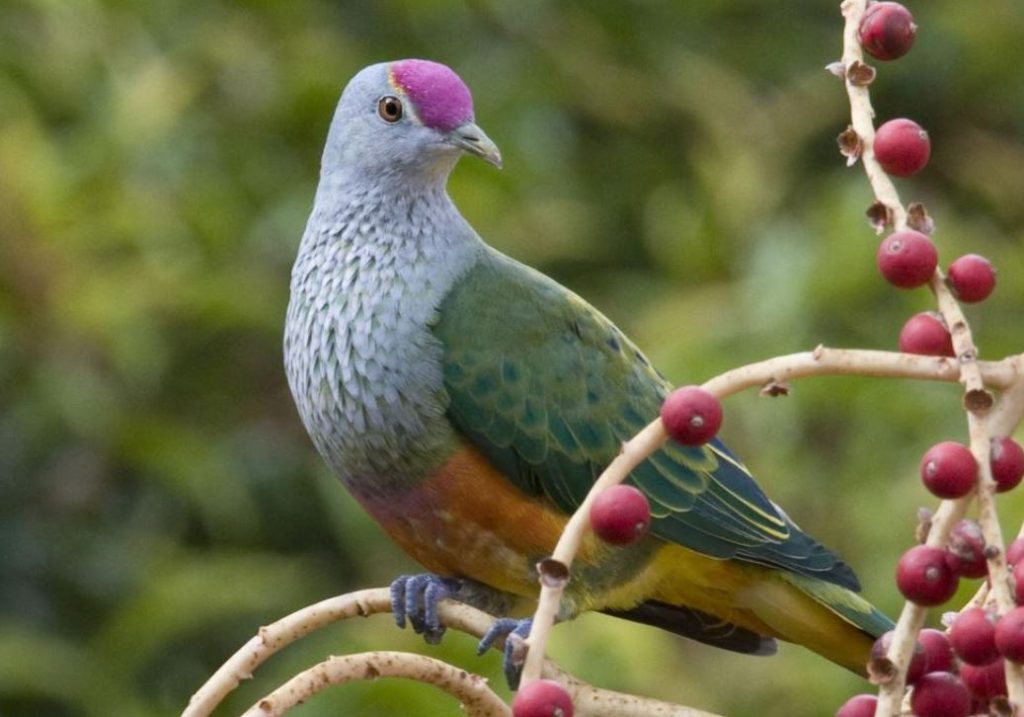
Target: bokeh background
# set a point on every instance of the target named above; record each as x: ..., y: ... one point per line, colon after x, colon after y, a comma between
x: 675, y: 163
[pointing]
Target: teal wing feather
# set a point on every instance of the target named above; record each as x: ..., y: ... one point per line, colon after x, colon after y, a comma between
x: 551, y: 401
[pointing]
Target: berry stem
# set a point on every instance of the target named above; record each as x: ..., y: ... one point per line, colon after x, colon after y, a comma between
x: 862, y: 115
x: 475, y: 697
x: 999, y: 574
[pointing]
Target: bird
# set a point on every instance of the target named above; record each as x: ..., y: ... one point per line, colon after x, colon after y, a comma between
x: 468, y: 402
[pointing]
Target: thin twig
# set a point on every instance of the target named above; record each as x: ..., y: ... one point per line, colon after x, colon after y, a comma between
x: 824, y: 361
x: 862, y: 115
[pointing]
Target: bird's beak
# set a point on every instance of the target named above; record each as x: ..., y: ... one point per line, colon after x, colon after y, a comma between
x: 471, y: 138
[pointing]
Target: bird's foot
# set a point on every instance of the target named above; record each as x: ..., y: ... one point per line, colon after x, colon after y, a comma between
x: 515, y: 631
x: 415, y: 597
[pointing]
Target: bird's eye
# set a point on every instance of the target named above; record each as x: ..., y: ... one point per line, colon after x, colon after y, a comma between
x: 390, y: 108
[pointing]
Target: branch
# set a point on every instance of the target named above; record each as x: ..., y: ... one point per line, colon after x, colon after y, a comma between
x: 824, y: 361
x: 862, y: 114
x: 287, y: 630
x: 477, y: 699
x: 590, y: 701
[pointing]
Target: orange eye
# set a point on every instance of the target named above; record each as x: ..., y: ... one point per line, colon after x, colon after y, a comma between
x: 390, y: 108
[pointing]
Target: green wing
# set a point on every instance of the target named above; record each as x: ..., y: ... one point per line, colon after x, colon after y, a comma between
x: 548, y: 389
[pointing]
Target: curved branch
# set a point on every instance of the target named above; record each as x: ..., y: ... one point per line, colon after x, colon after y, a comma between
x: 300, y: 623
x: 824, y: 361
x: 590, y: 701
x: 477, y: 699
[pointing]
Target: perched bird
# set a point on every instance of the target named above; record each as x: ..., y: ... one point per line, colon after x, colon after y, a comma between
x: 468, y: 403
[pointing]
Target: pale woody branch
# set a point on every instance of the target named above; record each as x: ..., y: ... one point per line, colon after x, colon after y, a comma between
x: 470, y: 689
x: 862, y: 115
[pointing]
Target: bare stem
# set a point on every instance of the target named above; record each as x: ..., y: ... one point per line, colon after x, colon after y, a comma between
x: 287, y: 630
x: 477, y: 699
x: 824, y: 361
x: 862, y: 115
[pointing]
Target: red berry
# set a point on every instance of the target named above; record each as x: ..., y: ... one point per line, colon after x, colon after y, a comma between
x: 985, y: 682
x: 965, y: 553
x: 940, y: 694
x: 691, y: 415
x: 972, y: 278
x: 1015, y: 551
x: 937, y: 648
x: 902, y: 147
x: 973, y: 636
x: 907, y: 259
x: 926, y: 334
x: 887, y: 30
x: 1018, y: 583
x: 923, y: 576
x: 542, y: 698
x: 620, y: 514
x: 1010, y: 635
x: 918, y: 661
x: 1007, y: 460
x: 949, y: 470
x: 858, y: 706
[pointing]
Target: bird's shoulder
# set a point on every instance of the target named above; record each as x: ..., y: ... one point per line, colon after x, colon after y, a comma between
x: 503, y: 303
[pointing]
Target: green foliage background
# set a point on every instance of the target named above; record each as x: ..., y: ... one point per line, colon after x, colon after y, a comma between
x: 673, y: 162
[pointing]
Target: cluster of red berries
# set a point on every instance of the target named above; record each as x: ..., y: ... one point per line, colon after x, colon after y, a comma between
x: 948, y: 469
x: 957, y: 673
x: 929, y: 576
x: 908, y: 258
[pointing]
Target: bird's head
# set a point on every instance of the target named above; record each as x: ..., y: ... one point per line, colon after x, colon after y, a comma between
x: 406, y: 117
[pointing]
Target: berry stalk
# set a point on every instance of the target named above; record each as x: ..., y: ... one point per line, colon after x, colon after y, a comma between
x: 908, y: 154
x: 862, y: 114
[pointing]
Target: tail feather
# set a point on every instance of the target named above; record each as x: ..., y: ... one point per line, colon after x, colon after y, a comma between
x: 826, y: 618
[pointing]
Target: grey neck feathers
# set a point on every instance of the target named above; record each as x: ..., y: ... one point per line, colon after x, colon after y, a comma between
x: 362, y: 363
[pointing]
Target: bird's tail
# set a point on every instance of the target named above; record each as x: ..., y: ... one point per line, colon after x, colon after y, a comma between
x: 831, y: 620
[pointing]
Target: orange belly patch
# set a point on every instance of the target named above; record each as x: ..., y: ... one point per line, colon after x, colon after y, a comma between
x: 469, y: 520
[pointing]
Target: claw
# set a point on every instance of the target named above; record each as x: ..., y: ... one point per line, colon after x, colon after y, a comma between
x: 416, y: 597
x: 398, y: 599
x: 514, y: 631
